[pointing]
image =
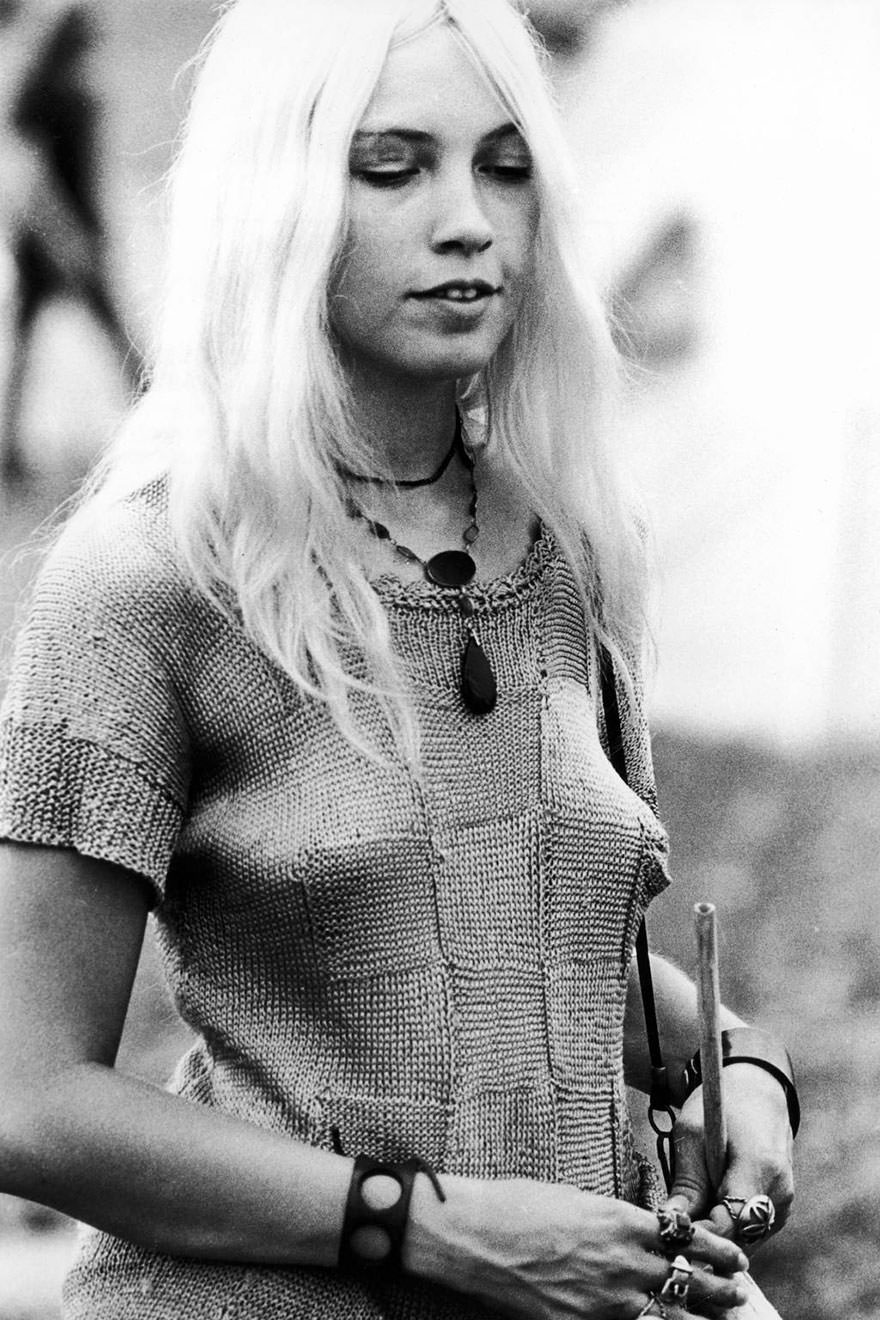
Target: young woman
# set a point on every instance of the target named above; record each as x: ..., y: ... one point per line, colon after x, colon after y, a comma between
x: 314, y: 676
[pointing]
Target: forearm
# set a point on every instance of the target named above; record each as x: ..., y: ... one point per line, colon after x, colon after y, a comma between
x: 177, y: 1177
x: 678, y: 1018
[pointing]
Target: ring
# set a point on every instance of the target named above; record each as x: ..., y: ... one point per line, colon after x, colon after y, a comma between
x: 755, y: 1217
x: 676, y: 1230
x: 648, y: 1309
x: 678, y: 1282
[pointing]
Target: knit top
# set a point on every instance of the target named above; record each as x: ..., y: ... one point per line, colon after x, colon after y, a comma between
x: 431, y: 966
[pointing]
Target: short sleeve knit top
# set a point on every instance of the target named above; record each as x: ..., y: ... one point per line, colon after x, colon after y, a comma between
x: 432, y: 967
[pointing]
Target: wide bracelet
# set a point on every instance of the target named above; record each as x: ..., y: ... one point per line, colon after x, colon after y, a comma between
x: 372, y: 1238
x: 750, y: 1045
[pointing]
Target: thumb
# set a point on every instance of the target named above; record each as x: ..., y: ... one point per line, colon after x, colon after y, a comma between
x: 691, y: 1190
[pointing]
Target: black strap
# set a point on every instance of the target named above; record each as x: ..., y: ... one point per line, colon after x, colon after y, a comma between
x: 660, y: 1112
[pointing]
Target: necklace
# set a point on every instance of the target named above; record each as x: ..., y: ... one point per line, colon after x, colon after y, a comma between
x: 413, y: 482
x: 452, y: 570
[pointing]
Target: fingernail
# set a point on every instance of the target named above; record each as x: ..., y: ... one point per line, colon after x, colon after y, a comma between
x: 743, y: 1261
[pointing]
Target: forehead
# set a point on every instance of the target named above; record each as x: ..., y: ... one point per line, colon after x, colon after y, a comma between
x: 431, y: 85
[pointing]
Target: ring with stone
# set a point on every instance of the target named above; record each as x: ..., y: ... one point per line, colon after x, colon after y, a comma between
x: 676, y: 1230
x: 678, y: 1282
x: 753, y: 1217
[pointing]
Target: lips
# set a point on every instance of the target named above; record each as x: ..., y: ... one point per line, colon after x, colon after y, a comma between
x: 459, y: 291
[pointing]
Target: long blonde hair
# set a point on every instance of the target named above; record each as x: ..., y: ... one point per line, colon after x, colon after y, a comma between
x: 248, y: 413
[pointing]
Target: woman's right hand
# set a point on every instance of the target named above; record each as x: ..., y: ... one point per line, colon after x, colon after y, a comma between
x: 551, y: 1252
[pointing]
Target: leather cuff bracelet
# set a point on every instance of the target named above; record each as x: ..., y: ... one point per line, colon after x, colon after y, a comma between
x: 749, y: 1045
x: 372, y: 1238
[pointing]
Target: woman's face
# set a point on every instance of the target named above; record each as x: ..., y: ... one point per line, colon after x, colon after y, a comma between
x: 443, y: 216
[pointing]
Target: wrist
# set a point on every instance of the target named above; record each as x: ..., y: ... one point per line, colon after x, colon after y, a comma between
x: 440, y: 1236
x: 748, y: 1045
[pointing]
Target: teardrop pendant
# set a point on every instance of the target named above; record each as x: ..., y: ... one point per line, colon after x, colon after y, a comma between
x: 479, y: 690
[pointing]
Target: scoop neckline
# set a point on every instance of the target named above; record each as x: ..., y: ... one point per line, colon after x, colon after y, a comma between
x: 423, y: 594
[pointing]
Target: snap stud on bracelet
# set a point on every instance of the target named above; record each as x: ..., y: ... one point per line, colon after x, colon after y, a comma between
x: 372, y: 1236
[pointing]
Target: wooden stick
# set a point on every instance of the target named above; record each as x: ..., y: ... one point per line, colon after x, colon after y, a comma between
x: 756, y: 1307
x: 710, y: 1041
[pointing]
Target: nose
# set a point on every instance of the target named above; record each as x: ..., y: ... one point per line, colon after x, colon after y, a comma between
x: 461, y: 222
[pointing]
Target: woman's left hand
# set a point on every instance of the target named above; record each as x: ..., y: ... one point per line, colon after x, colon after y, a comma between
x: 759, y: 1152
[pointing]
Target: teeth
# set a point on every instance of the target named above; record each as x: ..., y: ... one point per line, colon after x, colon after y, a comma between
x: 461, y: 295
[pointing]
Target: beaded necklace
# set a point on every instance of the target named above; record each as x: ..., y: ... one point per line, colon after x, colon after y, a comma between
x: 452, y: 570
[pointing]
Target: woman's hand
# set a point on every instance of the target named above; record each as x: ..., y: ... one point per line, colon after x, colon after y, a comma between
x: 759, y: 1150
x: 529, y: 1249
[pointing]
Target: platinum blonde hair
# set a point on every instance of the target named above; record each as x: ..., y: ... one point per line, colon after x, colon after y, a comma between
x: 248, y: 412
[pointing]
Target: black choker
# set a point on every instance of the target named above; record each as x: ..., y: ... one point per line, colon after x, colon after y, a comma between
x: 415, y: 482
x: 453, y: 570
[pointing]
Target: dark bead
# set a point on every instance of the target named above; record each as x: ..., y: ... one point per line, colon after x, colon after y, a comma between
x: 405, y: 553
x: 479, y: 690
x: 451, y: 568
x: 467, y: 606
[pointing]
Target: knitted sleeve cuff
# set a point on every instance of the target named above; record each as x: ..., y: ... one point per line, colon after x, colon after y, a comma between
x: 71, y: 793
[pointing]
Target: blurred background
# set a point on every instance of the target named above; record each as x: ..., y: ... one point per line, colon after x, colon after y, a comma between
x: 728, y: 154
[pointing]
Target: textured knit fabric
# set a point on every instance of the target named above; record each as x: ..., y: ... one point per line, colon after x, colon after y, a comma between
x: 434, y: 968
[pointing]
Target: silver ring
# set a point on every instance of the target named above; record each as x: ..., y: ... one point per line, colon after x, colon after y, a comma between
x: 678, y: 1282
x: 755, y: 1217
x: 676, y: 1230
x: 649, y: 1308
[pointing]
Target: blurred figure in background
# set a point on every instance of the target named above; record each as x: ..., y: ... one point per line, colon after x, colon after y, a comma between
x: 51, y: 226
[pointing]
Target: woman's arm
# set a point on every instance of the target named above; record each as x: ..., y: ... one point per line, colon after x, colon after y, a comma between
x: 183, y: 1179
x: 103, y: 1147
x: 759, y: 1133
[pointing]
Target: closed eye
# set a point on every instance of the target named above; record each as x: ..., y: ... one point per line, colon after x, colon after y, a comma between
x: 384, y: 178
x: 508, y: 173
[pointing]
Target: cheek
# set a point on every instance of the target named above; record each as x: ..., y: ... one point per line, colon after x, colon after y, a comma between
x: 366, y: 265
x: 520, y: 228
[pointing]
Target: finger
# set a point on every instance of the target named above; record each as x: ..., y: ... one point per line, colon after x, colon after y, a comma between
x: 691, y: 1190
x: 722, y: 1222
x: 722, y: 1253
x: 707, y: 1291
x: 706, y: 1245
x: 710, y: 1294
x: 729, y: 1219
x: 767, y: 1177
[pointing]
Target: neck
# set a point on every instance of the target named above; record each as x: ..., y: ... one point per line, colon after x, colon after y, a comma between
x: 409, y: 426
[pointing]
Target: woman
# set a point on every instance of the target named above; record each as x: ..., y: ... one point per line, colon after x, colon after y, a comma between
x: 395, y: 879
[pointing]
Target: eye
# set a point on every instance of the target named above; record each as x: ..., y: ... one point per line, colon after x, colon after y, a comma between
x: 384, y: 178
x: 508, y: 173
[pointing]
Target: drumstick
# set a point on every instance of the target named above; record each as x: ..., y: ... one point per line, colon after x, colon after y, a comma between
x: 757, y: 1307
x: 710, y: 1042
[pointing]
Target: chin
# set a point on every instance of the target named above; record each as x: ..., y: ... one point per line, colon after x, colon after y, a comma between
x: 451, y: 364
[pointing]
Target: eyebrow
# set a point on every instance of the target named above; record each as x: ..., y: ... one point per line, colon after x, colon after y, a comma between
x: 417, y: 136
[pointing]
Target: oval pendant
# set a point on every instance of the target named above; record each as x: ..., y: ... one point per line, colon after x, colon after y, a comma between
x: 451, y: 568
x: 479, y: 690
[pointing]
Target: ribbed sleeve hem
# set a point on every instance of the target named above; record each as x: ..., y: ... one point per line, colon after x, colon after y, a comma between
x: 70, y: 793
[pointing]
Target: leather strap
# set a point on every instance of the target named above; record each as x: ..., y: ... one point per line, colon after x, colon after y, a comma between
x: 660, y: 1112
x: 372, y: 1239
